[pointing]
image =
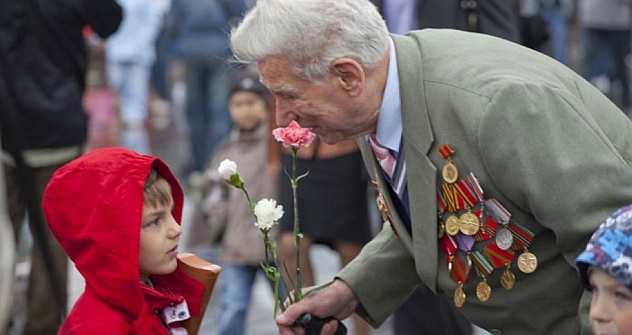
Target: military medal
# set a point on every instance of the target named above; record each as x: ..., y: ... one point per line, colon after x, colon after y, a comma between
x: 469, y: 223
x: 483, y: 269
x: 449, y: 172
x: 483, y: 290
x: 527, y: 262
x: 500, y: 258
x: 456, y: 269
x: 507, y: 279
x: 386, y: 214
x: 441, y: 230
x: 452, y: 225
x: 459, y: 296
x: 504, y: 239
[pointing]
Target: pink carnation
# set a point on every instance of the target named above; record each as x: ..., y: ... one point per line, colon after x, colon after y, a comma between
x: 294, y: 135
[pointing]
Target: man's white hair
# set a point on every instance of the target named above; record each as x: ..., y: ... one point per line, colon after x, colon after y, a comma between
x: 312, y: 34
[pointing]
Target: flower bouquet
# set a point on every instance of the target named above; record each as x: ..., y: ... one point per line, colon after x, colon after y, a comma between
x: 267, y: 213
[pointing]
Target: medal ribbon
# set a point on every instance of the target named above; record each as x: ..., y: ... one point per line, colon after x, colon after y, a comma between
x: 481, y: 264
x: 499, y: 213
x: 441, y: 202
x: 449, y: 196
x: 522, y: 236
x: 458, y: 273
x: 465, y: 242
x: 445, y: 151
x: 448, y: 245
x: 465, y: 193
x: 488, y: 229
x: 460, y: 204
x: 498, y: 257
x: 475, y: 187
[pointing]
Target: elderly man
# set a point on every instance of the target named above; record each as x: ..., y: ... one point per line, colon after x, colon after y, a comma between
x: 502, y: 161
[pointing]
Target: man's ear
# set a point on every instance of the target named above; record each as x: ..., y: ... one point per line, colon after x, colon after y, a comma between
x: 350, y: 75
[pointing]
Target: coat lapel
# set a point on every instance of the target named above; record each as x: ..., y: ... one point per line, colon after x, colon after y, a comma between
x: 421, y: 173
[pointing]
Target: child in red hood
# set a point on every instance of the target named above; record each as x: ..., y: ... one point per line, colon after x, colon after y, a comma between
x: 117, y: 214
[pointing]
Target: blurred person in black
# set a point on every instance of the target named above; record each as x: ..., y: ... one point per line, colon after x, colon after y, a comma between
x: 43, y: 61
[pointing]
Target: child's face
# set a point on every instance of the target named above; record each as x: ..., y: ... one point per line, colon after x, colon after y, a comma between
x: 610, y: 305
x: 247, y: 109
x: 159, y: 235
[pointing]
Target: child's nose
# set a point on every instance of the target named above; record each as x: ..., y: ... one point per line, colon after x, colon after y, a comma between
x: 599, y: 310
x: 176, y: 229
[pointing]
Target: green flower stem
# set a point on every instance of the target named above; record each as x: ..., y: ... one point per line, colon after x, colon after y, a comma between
x: 297, y: 233
x: 272, y: 272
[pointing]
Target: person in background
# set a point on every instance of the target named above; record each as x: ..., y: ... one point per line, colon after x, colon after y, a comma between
x: 201, y: 43
x: 447, y: 121
x: 605, y: 27
x: 493, y: 17
x: 557, y: 14
x: 604, y: 271
x: 43, y: 61
x: 130, y: 54
x: 241, y: 242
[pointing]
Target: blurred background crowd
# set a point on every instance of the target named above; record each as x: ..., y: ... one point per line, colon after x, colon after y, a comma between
x: 160, y: 80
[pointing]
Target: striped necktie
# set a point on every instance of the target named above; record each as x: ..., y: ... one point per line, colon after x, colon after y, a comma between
x: 395, y: 168
x: 383, y: 155
x: 395, y: 171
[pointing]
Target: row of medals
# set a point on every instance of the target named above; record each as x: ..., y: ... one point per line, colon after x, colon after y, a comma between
x: 469, y: 224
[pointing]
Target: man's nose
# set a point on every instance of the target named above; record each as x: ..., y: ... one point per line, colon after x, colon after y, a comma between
x: 284, y: 114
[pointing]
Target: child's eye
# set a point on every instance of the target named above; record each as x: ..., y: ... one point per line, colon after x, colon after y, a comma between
x: 623, y: 295
x: 152, y: 223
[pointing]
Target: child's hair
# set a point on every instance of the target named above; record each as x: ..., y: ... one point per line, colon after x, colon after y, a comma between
x: 157, y: 190
x: 609, y: 249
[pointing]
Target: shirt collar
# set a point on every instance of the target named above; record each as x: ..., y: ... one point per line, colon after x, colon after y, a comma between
x: 389, y: 120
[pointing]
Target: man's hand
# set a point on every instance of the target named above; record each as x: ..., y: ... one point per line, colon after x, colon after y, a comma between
x: 337, y: 301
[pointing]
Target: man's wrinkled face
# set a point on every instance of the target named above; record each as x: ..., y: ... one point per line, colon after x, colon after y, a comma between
x: 326, y: 108
x: 610, y: 304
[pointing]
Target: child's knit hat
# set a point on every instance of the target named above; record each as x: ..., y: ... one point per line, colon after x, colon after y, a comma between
x: 246, y: 79
x: 610, y: 249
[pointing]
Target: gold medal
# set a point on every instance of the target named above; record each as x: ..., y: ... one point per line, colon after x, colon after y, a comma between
x: 527, y: 262
x: 483, y: 290
x: 450, y: 172
x: 469, y: 223
x: 452, y: 225
x: 386, y: 214
x: 507, y: 279
x: 459, y: 296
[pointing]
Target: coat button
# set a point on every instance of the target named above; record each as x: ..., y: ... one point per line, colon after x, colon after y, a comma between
x: 495, y: 332
x: 182, y: 314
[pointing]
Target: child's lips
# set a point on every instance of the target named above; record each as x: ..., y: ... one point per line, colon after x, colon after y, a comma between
x: 173, y: 250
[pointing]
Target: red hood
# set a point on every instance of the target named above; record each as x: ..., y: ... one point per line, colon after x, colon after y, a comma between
x: 93, y: 206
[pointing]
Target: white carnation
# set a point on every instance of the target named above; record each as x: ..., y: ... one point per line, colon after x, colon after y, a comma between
x: 267, y: 213
x: 227, y: 168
